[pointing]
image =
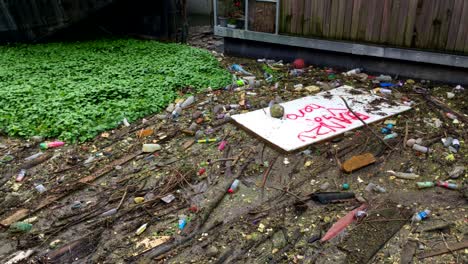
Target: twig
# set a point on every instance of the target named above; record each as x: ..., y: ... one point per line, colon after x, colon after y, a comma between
x: 268, y: 170
x: 123, y: 197
x: 286, y: 191
x: 406, y: 135
x: 366, y: 125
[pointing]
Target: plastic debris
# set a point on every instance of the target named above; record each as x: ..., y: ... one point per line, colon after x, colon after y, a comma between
x: 222, y: 145
x: 457, y: 172
x: 40, y: 188
x: 141, y: 229
x: 353, y: 72
x: 360, y: 215
x: 357, y: 162
x: 21, y: 175
x: 240, y: 69
x: 34, y: 156
x: 376, y: 188
x: 423, y: 185
x: 447, y: 185
x: 20, y: 256
x: 384, y: 78
x: 125, y: 122
x: 149, y: 148
x: 234, y: 186
x: 201, y: 171
x: 391, y: 136
x: 168, y: 198
x: 20, y: 227
x: 109, y: 212
x: 403, y: 175
x: 345, y: 186
x: 208, y: 140
x: 299, y: 63
x: 182, y: 221
x: 54, y: 144
x: 277, y: 111
x: 418, y: 217
x: 328, y: 197
x: 188, y: 102
x: 420, y: 148
x: 341, y: 224
x: 139, y: 200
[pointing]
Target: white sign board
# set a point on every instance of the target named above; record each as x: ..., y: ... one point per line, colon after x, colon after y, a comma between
x: 314, y: 118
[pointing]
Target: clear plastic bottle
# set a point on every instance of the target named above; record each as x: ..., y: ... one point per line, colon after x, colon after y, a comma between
x: 234, y: 186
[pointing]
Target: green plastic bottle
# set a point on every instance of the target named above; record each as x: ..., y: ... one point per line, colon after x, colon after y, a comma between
x: 20, y: 227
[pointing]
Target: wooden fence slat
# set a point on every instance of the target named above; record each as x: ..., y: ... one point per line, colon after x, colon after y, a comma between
x: 393, y: 22
x: 313, y: 18
x: 386, y: 16
x: 403, y: 16
x: 410, y: 23
x: 348, y: 19
x: 307, y: 17
x: 379, y: 9
x: 327, y: 18
x: 334, y: 6
x: 341, y: 18
x: 370, y: 20
x: 363, y: 13
x: 435, y: 25
x: 445, y: 15
x: 463, y: 30
x: 454, y: 25
x: 355, y: 19
x: 319, y: 18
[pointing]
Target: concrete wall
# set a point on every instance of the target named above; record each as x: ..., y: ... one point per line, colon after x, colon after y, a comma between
x: 200, y: 7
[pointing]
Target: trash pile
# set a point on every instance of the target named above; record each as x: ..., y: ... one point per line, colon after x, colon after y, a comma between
x: 189, y: 185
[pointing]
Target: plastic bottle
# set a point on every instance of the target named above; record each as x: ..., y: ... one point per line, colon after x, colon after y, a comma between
x: 420, y: 148
x: 447, y: 185
x: 182, y: 221
x: 403, y: 175
x: 54, y: 144
x: 188, y: 102
x: 384, y: 78
x: 149, y: 148
x: 21, y: 175
x: 447, y: 141
x: 385, y: 130
x: 421, y: 215
x: 234, y: 186
x: 353, y: 72
x: 177, y: 111
x: 20, y: 227
x: 141, y: 229
x: 109, y: 213
x: 390, y: 136
x: 208, y: 140
x: 422, y: 185
x: 34, y: 156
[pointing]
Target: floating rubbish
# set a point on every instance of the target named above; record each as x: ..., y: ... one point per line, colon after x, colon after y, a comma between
x: 457, y: 172
x: 328, y: 197
x: 341, y: 224
x: 182, y: 221
x: 450, y: 95
x: 208, y: 140
x: 353, y: 72
x: 423, y: 185
x: 357, y: 162
x: 110, y: 212
x: 125, y: 122
x: 447, y: 185
x: 456, y: 144
x: 420, y: 148
x: 177, y: 111
x: 376, y: 188
x: 418, y: 217
x: 34, y: 156
x: 20, y: 227
x: 384, y: 78
x: 141, y: 229
x: 201, y: 171
x: 168, y: 198
x: 234, y: 186
x: 76, y: 205
x: 139, y: 200
x: 48, y: 145
x: 188, y: 102
x: 299, y: 63
x: 451, y: 116
x: 360, y: 215
x: 222, y: 145
x: 403, y: 175
x: 21, y: 175
x: 345, y: 186
x: 391, y: 136
x: 238, y: 68
x: 40, y: 188
x: 149, y: 148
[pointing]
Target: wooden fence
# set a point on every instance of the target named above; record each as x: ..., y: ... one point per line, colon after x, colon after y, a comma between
x: 440, y: 25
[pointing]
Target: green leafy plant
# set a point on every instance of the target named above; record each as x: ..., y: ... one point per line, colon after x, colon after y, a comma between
x: 73, y: 91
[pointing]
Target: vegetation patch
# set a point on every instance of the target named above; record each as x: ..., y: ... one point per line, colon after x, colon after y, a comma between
x: 73, y: 91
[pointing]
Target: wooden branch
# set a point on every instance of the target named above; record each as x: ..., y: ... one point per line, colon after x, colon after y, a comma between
x: 366, y: 125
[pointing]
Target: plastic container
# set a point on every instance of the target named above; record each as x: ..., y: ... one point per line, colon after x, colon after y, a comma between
x: 420, y: 148
x: 234, y: 186
x: 404, y: 175
x: 110, y: 212
x: 34, y: 156
x: 423, y: 185
x: 21, y: 175
x: 177, y: 111
x: 385, y: 130
x: 148, y: 148
x: 447, y: 185
x: 353, y: 72
x: 456, y: 144
x: 188, y: 102
x: 418, y: 217
x: 54, y: 144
